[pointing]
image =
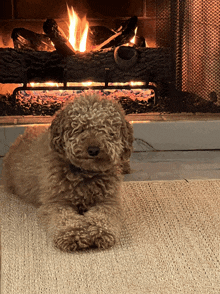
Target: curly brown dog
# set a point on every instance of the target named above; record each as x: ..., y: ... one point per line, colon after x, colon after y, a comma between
x: 72, y: 172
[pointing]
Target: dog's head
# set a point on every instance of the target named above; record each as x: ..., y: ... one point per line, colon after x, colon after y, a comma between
x: 92, y: 133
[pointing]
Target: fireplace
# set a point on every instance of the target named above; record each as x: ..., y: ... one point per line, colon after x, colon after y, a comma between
x: 180, y: 63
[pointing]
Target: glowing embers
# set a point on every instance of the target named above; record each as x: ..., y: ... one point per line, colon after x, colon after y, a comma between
x: 64, y: 95
x: 113, y: 90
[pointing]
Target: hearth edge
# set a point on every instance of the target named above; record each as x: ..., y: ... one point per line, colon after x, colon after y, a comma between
x: 153, y: 132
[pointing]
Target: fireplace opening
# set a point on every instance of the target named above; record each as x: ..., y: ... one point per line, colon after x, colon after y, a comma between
x: 157, y: 56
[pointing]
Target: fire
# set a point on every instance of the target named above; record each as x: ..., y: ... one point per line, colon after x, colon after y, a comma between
x: 78, y: 30
x: 50, y: 84
x: 133, y: 39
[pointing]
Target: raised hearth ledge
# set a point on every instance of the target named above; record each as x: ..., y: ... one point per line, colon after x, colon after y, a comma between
x: 141, y: 117
x: 153, y: 132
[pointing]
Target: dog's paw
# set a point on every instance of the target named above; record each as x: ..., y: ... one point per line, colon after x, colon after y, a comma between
x: 84, y: 238
x: 72, y: 239
x: 104, y: 240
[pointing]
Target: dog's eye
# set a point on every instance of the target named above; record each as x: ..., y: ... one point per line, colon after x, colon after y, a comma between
x: 112, y: 134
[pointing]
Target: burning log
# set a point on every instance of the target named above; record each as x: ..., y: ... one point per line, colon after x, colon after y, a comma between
x: 125, y: 56
x: 123, y: 35
x: 28, y: 40
x: 58, y: 37
x: 140, y: 41
x: 154, y: 64
x: 98, y: 34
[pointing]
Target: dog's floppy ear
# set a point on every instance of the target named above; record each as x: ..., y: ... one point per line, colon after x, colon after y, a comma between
x: 56, y: 132
x: 127, y: 135
x: 127, y: 139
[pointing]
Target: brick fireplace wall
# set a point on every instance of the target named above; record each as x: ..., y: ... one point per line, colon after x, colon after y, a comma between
x: 31, y: 14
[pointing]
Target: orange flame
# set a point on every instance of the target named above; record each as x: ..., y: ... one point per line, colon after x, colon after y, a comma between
x: 133, y: 39
x: 78, y: 30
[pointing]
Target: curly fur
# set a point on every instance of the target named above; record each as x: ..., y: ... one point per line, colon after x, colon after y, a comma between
x: 72, y: 172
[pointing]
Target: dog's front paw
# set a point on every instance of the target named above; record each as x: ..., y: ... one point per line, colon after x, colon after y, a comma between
x: 104, y: 240
x: 72, y: 239
x: 83, y: 238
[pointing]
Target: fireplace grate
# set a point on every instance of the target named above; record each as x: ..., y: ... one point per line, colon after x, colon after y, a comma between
x: 66, y: 88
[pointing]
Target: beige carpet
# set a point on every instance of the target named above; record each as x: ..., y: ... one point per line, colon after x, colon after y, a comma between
x: 170, y: 243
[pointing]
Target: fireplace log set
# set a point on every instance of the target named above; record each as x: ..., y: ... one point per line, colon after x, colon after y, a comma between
x: 28, y: 40
x: 58, y: 37
x: 122, y: 63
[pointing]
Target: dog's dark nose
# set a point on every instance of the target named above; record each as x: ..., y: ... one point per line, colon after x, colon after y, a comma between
x: 93, y: 150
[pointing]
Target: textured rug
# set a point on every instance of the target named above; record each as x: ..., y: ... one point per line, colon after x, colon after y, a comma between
x: 170, y: 243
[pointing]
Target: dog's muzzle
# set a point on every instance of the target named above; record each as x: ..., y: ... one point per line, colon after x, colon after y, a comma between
x: 93, y: 150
